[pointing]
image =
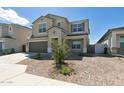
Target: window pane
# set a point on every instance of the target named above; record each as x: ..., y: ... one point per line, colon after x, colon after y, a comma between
x: 121, y: 45
x: 80, y: 29
x: 74, y: 27
x: 40, y: 30
x: 74, y: 30
x: 121, y: 38
x: 73, y: 46
x: 79, y: 25
x: 42, y: 27
x: 76, y: 45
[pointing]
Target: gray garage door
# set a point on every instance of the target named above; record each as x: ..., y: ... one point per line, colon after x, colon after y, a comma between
x: 38, y: 47
x: 0, y: 47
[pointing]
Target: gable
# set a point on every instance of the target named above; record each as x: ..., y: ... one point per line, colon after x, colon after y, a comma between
x: 55, y: 32
x: 41, y: 18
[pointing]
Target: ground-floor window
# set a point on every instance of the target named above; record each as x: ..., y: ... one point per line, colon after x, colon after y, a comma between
x: 121, y: 41
x: 76, y: 44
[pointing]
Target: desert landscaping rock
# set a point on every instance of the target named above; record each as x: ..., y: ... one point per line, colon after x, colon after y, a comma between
x: 95, y: 70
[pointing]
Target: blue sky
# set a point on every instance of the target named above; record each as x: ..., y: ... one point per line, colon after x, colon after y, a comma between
x: 100, y: 19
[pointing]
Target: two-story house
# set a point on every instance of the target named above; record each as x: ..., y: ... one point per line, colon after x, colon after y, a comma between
x: 49, y: 27
x: 14, y: 36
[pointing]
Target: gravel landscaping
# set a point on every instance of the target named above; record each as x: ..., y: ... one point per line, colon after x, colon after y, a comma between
x: 95, y: 70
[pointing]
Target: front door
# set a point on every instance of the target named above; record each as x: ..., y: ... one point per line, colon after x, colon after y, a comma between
x: 23, y: 48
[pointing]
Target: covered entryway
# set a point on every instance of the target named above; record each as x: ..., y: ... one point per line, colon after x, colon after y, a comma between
x: 38, y: 46
x: 0, y: 47
x: 23, y: 48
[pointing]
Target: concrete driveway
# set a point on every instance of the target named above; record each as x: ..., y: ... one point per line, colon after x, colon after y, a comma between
x: 8, y: 71
x: 14, y: 74
x: 13, y: 58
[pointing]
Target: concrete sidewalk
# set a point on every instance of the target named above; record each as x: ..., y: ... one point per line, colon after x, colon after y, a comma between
x: 33, y: 80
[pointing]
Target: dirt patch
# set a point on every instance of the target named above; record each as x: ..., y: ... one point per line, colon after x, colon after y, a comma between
x: 89, y: 71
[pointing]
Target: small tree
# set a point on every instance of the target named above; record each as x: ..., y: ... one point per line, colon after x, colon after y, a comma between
x: 60, y: 51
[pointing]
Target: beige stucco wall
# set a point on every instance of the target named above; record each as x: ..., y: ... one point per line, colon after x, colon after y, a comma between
x: 3, y: 30
x: 54, y: 33
x: 63, y: 24
x: 20, y: 36
x: 35, y: 27
x: 112, y: 40
x: 0, y: 30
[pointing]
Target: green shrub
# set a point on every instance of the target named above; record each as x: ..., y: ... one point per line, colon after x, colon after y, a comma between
x: 60, y: 51
x: 7, y: 51
x: 12, y: 50
x: 65, y: 70
x: 39, y: 56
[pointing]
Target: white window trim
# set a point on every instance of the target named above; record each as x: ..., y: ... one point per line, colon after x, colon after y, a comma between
x: 77, y: 28
x: 75, y: 44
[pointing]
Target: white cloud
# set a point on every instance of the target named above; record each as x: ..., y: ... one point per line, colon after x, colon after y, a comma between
x: 12, y: 17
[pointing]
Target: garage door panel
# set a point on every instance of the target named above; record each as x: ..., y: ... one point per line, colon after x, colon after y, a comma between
x: 38, y: 47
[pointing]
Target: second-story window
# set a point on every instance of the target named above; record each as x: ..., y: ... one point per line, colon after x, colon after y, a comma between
x: 77, y: 27
x: 42, y: 27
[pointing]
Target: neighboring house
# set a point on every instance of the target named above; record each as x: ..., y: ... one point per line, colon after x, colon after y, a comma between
x: 53, y: 27
x: 13, y: 36
x: 114, y: 40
